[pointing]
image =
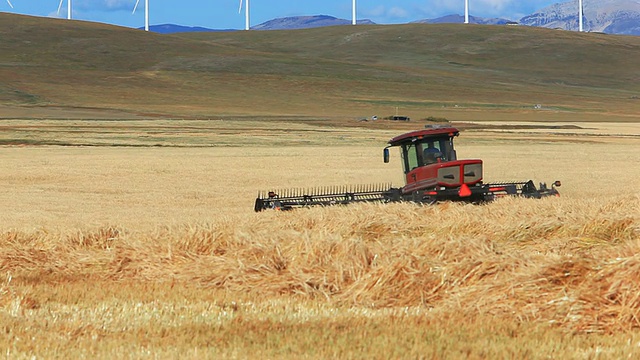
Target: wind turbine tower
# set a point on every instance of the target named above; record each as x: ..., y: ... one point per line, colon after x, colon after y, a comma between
x: 247, y: 22
x: 146, y: 13
x: 60, y: 6
x: 581, y: 15
x: 353, y: 13
x: 466, y: 11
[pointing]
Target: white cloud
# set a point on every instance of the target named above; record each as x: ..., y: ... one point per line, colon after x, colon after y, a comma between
x: 437, y: 8
x: 397, y: 12
x: 381, y: 11
x: 377, y: 11
x: 107, y: 5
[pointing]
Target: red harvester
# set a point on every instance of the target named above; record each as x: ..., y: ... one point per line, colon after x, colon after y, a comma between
x: 433, y: 173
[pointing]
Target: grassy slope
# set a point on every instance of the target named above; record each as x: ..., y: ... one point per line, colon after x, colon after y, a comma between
x: 339, y: 71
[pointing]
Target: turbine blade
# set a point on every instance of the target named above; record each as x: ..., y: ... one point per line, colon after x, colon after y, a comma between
x: 60, y: 6
x: 10, y: 4
x: 135, y: 7
x: 240, y: 8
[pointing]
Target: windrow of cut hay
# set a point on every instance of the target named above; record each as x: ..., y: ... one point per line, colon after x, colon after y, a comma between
x: 574, y: 263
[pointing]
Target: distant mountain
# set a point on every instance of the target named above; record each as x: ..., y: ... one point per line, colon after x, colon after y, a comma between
x: 306, y: 22
x: 286, y: 23
x: 607, y: 16
x: 459, y: 19
x: 172, y: 28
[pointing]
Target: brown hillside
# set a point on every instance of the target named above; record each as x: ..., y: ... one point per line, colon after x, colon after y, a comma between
x: 419, y: 69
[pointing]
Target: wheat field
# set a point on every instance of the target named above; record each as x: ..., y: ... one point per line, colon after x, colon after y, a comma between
x: 155, y: 252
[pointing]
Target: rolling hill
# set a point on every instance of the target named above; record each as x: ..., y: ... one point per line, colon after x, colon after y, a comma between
x: 333, y: 71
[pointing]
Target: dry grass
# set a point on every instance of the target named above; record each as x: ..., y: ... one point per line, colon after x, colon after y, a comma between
x: 395, y: 272
x: 544, y: 264
x: 155, y: 252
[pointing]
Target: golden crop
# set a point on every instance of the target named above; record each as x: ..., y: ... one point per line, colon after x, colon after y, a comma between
x: 141, y: 252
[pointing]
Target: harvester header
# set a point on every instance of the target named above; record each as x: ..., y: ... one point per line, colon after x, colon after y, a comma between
x: 432, y: 173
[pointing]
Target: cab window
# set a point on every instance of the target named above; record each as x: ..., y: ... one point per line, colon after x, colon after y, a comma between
x: 436, y: 150
x: 431, y: 151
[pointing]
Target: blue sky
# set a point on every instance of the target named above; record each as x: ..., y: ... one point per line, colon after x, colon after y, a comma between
x: 223, y: 14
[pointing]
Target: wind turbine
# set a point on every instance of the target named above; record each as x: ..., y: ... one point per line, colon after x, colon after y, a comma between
x: 146, y: 13
x: 466, y: 11
x: 247, y: 22
x: 353, y: 13
x: 68, y: 8
x: 581, y: 15
x: 246, y: 14
x: 9, y: 2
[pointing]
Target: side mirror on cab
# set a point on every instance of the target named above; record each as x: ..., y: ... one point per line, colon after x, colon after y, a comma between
x: 385, y: 154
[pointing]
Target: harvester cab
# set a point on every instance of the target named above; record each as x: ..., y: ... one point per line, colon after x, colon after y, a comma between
x: 423, y: 147
x: 432, y: 173
x: 430, y: 162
